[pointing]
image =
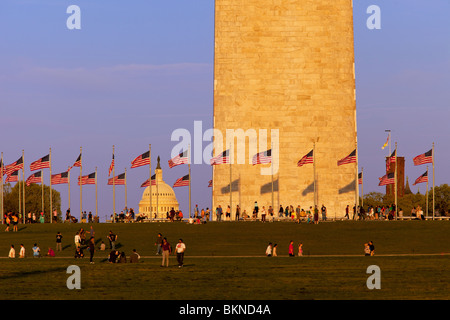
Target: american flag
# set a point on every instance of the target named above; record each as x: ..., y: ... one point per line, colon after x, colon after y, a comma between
x: 77, y: 162
x: 182, y: 182
x: 10, y: 168
x: 222, y: 158
x: 146, y: 183
x: 88, y: 179
x: 309, y: 158
x: 422, y: 178
x: 141, y: 160
x: 40, y: 164
x: 387, y: 179
x: 111, y: 166
x: 262, y: 157
x: 13, y: 177
x: 60, y: 178
x: 360, y: 178
x: 351, y: 158
x: 34, y: 178
x: 391, y: 159
x: 210, y: 183
x: 182, y: 158
x: 118, y: 180
x: 426, y: 157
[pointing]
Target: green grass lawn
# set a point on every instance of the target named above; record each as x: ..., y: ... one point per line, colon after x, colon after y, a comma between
x: 226, y: 261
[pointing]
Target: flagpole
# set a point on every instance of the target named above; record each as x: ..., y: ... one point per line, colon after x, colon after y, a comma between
x: 96, y: 194
x: 314, y: 172
x: 126, y: 206
x: 51, y: 197
x: 356, y: 179
x: 42, y: 185
x: 362, y: 187
x: 189, y: 167
x: 150, y: 179
x: 231, y: 155
x: 395, y: 180
x: 20, y: 190
x: 23, y: 178
x: 114, y: 188
x: 68, y: 184
x: 271, y: 168
x: 81, y: 185
x: 433, y: 178
x: 426, y: 196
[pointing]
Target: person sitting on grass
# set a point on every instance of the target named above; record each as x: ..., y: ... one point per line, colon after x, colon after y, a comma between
x: 50, y: 252
x: 36, y: 251
x: 113, y: 256
x: 79, y: 253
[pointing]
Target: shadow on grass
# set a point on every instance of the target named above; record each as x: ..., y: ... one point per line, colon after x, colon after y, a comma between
x: 31, y: 273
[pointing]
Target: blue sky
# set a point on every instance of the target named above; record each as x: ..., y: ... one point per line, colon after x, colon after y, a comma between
x: 138, y: 70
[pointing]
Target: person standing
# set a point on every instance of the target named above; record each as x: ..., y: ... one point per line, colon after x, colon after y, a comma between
x: 58, y: 241
x: 112, y: 240
x: 263, y: 214
x: 324, y: 212
x: 91, y: 249
x: 77, y: 240
x: 180, y: 249
x: 291, y: 249
x: 300, y: 249
x: 347, y: 213
x: 238, y: 212
x: 372, y: 248
x: 166, y: 251
x: 316, y: 215
x: 269, y: 250
x: 158, y: 243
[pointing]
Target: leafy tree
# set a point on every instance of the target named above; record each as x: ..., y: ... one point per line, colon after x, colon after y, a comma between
x: 33, y: 199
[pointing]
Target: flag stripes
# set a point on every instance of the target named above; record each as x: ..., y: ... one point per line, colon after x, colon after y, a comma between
x: 141, y: 160
x: 34, y: 178
x: 422, y: 178
x: 88, y: 179
x: 182, y: 182
x: 10, y: 168
x: 42, y: 163
x: 182, y: 158
x: 60, y: 178
x: 117, y: 180
x: 387, y: 179
x: 222, y: 158
x: 351, y: 158
x: 423, y: 158
x: 13, y: 177
x: 308, y: 158
x: 262, y: 157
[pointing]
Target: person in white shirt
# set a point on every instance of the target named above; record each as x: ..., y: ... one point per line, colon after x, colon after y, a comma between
x: 180, y: 248
x: 77, y: 240
x: 269, y: 250
x: 12, y: 252
x: 22, y: 251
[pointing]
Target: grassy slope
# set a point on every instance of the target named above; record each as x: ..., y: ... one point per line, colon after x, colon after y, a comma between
x: 418, y: 277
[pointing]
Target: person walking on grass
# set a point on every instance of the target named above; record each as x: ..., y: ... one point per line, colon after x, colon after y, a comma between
x: 91, y: 249
x: 59, y: 241
x: 166, y: 251
x: 300, y: 249
x: 158, y: 243
x: 269, y: 250
x: 180, y: 248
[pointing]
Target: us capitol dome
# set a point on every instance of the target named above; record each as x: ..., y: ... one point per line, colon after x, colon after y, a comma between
x: 163, y: 197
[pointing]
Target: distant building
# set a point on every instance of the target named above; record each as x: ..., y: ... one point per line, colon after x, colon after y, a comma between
x: 400, y: 178
x: 163, y: 197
